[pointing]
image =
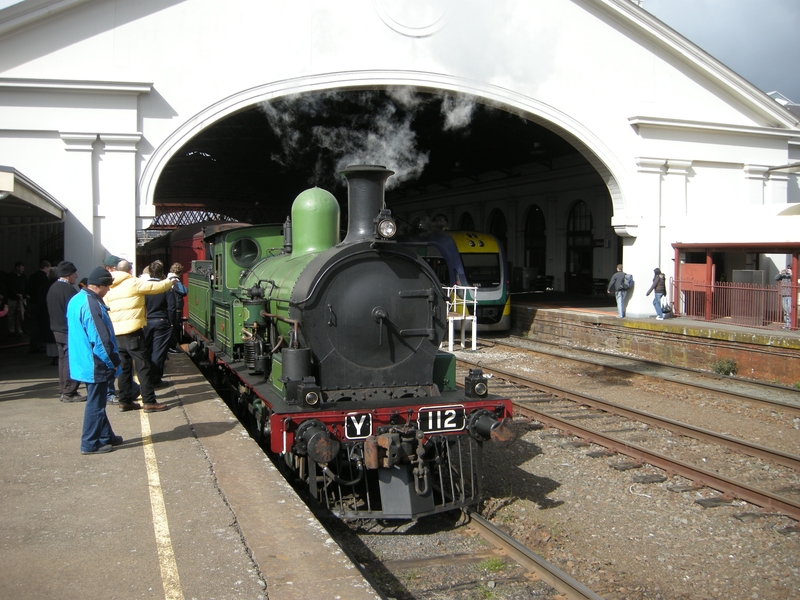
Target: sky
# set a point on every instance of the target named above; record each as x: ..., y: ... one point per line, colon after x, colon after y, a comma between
x: 758, y: 39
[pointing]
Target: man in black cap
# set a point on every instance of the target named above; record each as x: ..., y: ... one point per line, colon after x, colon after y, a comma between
x: 58, y: 297
x: 94, y: 359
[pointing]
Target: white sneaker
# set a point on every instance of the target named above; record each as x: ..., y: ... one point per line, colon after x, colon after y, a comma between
x: 659, y: 318
x: 112, y: 399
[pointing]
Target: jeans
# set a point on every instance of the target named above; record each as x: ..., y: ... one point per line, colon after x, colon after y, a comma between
x: 96, y: 426
x: 132, y: 349
x: 157, y: 336
x: 621, y: 302
x: 787, y: 311
x: 657, y: 305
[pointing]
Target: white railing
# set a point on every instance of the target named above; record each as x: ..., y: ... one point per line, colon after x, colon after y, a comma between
x: 459, y: 301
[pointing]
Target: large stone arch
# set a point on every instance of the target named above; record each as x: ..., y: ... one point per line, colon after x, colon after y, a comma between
x: 597, y: 153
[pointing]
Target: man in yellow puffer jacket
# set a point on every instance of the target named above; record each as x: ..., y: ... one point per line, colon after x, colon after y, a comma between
x: 125, y: 301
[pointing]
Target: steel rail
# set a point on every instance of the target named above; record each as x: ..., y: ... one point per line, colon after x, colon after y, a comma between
x: 783, y: 458
x: 791, y: 408
x: 528, y: 559
x: 698, y: 475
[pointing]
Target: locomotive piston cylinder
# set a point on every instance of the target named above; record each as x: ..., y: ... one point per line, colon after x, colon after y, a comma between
x: 296, y: 363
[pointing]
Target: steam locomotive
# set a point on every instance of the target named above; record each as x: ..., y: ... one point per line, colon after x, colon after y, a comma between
x: 330, y: 351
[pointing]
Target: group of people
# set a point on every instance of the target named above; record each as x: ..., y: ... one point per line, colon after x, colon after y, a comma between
x: 620, y: 288
x: 616, y: 284
x: 115, y: 324
x: 22, y: 295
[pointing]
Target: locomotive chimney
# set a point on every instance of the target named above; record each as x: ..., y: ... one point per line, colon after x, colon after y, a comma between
x: 365, y: 186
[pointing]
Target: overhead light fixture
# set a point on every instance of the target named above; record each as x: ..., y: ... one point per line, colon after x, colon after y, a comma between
x: 4, y: 195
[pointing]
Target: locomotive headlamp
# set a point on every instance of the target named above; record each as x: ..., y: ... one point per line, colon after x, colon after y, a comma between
x: 476, y: 384
x: 385, y: 227
x: 309, y: 391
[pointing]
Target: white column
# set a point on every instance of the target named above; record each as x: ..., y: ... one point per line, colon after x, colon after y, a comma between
x: 79, y: 222
x: 116, y: 209
x: 755, y: 176
x: 643, y: 253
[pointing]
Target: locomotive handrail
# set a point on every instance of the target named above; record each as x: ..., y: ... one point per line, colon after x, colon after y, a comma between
x: 461, y: 312
x: 293, y: 322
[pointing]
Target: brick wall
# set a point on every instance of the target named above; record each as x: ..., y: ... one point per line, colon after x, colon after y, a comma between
x: 764, y: 356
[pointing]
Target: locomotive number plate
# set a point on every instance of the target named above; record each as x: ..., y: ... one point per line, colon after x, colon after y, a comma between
x: 439, y: 419
x: 357, y: 426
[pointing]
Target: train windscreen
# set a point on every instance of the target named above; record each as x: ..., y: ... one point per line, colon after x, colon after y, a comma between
x: 482, y: 269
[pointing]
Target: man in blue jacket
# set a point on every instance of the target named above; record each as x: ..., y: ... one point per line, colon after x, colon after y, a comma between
x: 93, y: 359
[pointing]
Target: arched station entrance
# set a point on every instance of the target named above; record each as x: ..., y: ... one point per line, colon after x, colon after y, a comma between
x: 458, y: 158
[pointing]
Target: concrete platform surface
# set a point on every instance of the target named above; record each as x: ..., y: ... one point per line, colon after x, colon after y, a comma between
x: 187, y: 507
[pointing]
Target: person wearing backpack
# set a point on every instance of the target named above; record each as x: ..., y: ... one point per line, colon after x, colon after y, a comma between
x: 660, y: 288
x: 619, y: 283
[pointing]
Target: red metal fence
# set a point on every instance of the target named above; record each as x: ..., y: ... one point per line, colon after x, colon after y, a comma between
x: 747, y: 304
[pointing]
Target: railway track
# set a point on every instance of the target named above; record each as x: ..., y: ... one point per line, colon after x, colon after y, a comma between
x: 438, y: 557
x: 532, y: 562
x: 568, y: 411
x: 756, y: 392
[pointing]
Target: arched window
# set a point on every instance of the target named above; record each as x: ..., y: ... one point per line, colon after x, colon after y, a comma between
x: 580, y: 250
x: 466, y: 223
x: 440, y: 223
x: 498, y: 227
x: 536, y: 241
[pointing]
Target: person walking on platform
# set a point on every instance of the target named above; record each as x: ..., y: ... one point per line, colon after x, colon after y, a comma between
x: 125, y: 299
x: 616, y: 283
x: 660, y: 288
x: 58, y: 297
x: 785, y: 277
x: 94, y: 359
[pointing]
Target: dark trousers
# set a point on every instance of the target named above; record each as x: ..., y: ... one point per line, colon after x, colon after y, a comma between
x: 157, y: 335
x: 132, y: 349
x: 67, y: 385
x: 33, y: 329
x: 96, y: 426
x: 175, y: 321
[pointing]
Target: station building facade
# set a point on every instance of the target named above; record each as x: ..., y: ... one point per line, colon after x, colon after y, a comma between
x: 97, y: 96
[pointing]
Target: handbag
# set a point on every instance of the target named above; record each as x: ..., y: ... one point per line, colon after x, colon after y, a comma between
x: 665, y: 307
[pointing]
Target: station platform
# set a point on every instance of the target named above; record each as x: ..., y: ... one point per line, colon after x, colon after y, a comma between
x: 590, y: 322
x: 187, y: 507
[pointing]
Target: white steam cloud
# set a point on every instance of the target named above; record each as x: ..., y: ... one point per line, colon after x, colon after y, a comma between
x: 457, y: 112
x: 336, y: 129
